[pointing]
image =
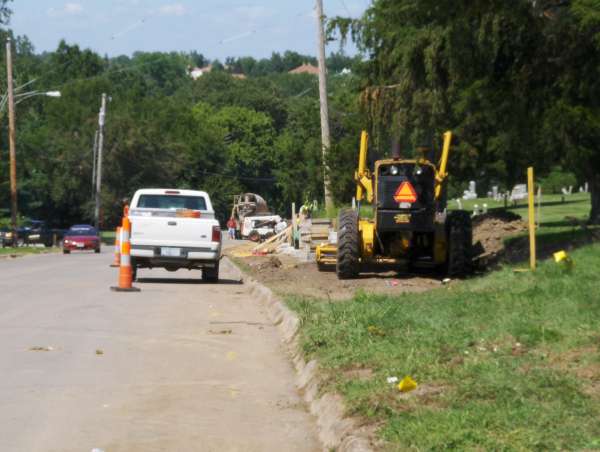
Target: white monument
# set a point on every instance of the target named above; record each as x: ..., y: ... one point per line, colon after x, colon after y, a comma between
x: 471, y: 193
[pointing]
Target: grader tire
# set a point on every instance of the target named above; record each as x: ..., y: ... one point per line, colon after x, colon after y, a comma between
x: 348, y: 254
x: 460, y: 243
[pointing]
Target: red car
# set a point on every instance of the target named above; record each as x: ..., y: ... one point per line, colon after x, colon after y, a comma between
x: 81, y: 237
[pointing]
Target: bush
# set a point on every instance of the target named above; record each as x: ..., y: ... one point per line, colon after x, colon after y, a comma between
x: 557, y: 179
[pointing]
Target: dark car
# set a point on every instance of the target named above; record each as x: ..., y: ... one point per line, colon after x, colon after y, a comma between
x: 81, y: 237
x: 31, y: 232
x: 37, y: 232
x: 5, y: 237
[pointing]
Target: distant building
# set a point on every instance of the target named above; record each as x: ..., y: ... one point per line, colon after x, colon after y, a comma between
x: 198, y: 72
x: 305, y: 69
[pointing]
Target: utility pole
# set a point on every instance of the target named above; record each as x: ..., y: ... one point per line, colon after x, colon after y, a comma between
x: 11, y: 139
x: 95, y: 157
x: 101, y: 117
x: 325, y: 137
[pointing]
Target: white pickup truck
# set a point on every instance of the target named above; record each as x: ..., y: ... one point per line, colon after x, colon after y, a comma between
x: 174, y: 229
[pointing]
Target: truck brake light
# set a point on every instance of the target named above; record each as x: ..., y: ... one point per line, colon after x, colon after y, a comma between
x: 216, y: 234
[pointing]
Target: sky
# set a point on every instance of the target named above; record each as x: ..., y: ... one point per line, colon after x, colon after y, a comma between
x: 215, y: 28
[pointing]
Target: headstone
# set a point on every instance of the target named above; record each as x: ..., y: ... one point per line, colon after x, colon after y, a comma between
x: 459, y: 203
x: 495, y: 192
x: 475, y: 210
x: 471, y: 193
x: 587, y: 187
x: 485, y: 209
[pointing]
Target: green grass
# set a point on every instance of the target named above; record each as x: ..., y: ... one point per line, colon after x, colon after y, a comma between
x: 509, y: 361
x: 553, y: 209
x: 107, y: 237
x: 551, y: 214
x: 23, y: 250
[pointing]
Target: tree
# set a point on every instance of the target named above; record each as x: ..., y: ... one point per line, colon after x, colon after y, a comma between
x: 515, y: 80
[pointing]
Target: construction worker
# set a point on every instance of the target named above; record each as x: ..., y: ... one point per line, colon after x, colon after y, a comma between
x: 231, y: 224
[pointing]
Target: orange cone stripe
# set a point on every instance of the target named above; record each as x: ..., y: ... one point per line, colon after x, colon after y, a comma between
x: 117, y: 253
x: 125, y: 270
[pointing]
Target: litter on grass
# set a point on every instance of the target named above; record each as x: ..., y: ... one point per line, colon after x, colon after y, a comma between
x: 407, y: 384
x: 562, y: 258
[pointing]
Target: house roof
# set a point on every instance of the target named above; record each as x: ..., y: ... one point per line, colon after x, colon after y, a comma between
x: 305, y: 69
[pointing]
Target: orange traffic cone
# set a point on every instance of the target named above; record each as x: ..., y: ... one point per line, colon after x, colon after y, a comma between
x: 125, y: 273
x: 117, y: 261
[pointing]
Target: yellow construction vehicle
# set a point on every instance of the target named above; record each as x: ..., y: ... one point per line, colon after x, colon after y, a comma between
x: 410, y: 228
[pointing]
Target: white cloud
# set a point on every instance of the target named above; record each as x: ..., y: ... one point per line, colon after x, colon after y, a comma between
x: 68, y: 9
x: 173, y: 9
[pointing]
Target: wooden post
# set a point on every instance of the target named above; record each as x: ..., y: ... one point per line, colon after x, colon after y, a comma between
x: 11, y: 142
x: 325, y: 134
x: 530, y: 188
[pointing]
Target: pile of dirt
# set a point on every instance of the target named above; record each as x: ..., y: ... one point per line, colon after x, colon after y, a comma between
x: 491, y: 230
x: 286, y: 275
x: 266, y: 263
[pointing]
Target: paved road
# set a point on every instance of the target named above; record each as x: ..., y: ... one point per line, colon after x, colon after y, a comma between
x: 150, y: 371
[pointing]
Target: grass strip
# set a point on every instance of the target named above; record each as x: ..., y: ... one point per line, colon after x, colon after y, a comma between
x: 508, y: 361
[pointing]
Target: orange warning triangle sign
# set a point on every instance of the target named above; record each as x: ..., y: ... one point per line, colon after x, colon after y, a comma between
x: 405, y: 193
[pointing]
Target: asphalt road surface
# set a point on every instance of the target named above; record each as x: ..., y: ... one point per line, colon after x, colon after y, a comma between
x: 181, y: 366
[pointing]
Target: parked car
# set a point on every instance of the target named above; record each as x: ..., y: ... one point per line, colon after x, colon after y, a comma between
x: 174, y: 229
x: 31, y: 232
x: 81, y: 237
x: 5, y: 237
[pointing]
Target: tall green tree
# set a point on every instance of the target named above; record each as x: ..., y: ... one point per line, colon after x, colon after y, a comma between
x: 516, y: 80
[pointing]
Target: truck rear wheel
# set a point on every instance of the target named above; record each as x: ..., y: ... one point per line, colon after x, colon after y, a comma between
x: 460, y: 243
x: 348, y: 253
x: 211, y: 274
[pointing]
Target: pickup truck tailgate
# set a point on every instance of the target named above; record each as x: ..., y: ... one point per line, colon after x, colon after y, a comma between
x: 173, y: 231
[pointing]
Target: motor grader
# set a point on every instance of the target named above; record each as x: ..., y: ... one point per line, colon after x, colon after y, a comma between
x: 410, y: 228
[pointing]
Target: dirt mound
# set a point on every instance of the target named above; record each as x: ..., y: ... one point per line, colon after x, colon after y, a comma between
x: 490, y: 231
x: 270, y: 262
x: 288, y: 276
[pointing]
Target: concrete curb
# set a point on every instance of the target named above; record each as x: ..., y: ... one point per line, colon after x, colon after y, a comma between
x: 335, y: 430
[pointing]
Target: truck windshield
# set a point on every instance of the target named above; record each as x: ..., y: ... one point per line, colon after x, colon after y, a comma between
x: 171, y: 202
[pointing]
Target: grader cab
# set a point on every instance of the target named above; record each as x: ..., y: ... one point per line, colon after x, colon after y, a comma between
x: 410, y: 227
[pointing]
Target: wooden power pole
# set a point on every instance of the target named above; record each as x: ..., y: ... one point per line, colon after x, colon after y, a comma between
x: 101, y: 117
x: 325, y: 136
x: 11, y: 140
x: 94, y: 162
